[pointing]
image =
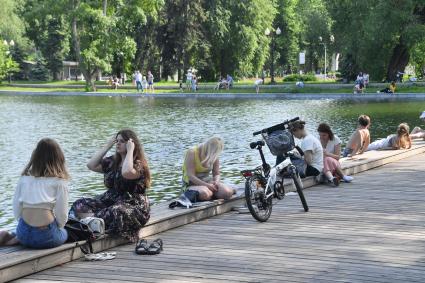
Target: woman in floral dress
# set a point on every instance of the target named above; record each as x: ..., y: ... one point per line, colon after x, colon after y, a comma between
x: 124, y: 206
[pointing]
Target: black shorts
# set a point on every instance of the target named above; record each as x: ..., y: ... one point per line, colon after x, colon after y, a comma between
x: 311, y: 171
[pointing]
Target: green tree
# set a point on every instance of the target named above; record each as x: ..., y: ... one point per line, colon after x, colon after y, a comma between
x: 48, y: 29
x: 236, y: 32
x: 96, y: 38
x: 7, y: 64
x: 287, y: 44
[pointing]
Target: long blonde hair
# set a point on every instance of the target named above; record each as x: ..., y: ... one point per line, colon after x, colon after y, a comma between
x: 47, y: 160
x: 211, y: 150
x: 403, y: 139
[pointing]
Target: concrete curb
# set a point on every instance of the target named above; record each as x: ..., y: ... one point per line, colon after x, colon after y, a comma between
x: 296, y: 96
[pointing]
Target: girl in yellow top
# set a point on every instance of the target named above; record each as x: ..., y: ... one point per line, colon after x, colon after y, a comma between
x: 200, y: 161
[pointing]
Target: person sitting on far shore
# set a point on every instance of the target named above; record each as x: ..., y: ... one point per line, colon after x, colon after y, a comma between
x: 360, y: 139
x: 40, y: 203
x: 331, y: 153
x: 229, y: 80
x: 390, y: 89
x: 400, y: 140
x: 257, y: 85
x: 201, y: 171
x: 310, y: 145
x: 115, y: 83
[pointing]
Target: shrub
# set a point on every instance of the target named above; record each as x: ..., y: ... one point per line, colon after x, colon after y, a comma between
x: 298, y: 77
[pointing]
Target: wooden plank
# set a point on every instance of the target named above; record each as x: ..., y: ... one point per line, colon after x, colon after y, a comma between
x: 339, y: 222
x: 366, y: 231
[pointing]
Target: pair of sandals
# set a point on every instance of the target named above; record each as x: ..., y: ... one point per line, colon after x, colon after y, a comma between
x: 142, y: 247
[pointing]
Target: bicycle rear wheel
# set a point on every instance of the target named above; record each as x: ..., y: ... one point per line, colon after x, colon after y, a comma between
x: 298, y: 184
x: 258, y: 205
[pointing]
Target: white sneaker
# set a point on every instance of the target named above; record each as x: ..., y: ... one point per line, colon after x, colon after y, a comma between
x: 348, y: 179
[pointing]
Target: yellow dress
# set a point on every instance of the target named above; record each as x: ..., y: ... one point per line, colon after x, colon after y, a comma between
x: 200, y: 171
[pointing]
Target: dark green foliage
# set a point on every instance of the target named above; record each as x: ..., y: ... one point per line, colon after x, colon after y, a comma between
x: 298, y: 77
x: 39, y: 72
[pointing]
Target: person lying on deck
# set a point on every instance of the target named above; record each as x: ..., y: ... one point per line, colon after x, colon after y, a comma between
x: 418, y: 132
x: 400, y: 140
x: 40, y: 203
x: 331, y: 153
x: 200, y: 163
x: 310, y: 145
x: 360, y: 139
x: 124, y: 206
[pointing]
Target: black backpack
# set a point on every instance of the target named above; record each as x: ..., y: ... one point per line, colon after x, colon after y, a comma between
x: 78, y: 231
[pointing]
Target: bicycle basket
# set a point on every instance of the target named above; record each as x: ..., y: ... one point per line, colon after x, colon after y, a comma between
x: 279, y: 142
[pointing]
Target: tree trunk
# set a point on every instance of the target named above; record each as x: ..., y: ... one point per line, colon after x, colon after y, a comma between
x: 105, y: 6
x: 398, y: 61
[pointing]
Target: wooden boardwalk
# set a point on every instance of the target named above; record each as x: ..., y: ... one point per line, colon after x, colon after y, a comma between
x: 372, y: 230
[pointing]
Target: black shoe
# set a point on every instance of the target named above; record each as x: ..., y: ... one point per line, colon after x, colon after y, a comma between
x: 335, y: 182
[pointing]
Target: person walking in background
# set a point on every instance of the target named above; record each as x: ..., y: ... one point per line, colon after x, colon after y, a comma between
x: 194, y: 83
x: 360, y: 139
x: 138, y: 79
x: 144, y: 84
x: 257, y: 85
x: 331, y: 153
x: 189, y: 77
x: 150, y: 81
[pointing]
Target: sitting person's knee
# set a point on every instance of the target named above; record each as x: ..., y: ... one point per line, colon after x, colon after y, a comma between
x: 205, y: 194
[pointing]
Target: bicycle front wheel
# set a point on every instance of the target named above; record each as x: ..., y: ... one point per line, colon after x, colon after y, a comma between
x: 298, y: 184
x: 259, y: 206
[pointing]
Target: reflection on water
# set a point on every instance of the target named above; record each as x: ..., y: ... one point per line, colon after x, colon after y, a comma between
x: 167, y: 127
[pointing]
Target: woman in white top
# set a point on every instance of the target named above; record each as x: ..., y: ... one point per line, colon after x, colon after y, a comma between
x: 331, y: 153
x: 40, y: 203
x: 313, y: 152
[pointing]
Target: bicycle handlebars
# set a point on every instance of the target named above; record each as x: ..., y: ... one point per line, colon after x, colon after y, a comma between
x: 280, y: 126
x: 257, y: 143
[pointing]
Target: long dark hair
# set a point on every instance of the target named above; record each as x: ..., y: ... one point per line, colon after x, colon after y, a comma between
x: 139, y: 160
x: 325, y: 128
x: 47, y: 160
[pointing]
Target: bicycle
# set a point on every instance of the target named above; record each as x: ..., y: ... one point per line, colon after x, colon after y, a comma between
x: 264, y: 183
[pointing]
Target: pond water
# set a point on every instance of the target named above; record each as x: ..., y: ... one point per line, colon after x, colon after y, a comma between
x: 167, y: 127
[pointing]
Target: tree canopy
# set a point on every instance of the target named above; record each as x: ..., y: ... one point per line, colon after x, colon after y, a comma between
x: 217, y: 37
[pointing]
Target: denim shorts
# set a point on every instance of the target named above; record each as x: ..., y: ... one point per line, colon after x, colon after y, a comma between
x: 47, y: 237
x: 347, y: 151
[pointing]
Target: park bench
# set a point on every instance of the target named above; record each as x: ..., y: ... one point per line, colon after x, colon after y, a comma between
x: 16, y: 261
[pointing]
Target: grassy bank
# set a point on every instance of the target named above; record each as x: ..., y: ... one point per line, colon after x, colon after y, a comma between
x: 278, y: 89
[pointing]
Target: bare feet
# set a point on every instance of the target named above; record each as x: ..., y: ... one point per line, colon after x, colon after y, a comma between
x: 8, y: 239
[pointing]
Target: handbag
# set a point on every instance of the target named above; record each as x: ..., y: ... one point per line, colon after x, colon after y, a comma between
x: 97, y: 225
x: 78, y: 231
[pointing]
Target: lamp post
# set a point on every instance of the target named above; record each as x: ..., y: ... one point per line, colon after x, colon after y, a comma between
x: 10, y: 45
x: 331, y: 40
x: 268, y: 32
x: 123, y: 68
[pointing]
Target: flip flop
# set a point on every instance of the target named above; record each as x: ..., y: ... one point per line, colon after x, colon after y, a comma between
x: 155, y: 248
x: 100, y: 256
x: 141, y: 247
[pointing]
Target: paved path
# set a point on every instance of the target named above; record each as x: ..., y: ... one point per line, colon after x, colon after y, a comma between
x: 369, y: 231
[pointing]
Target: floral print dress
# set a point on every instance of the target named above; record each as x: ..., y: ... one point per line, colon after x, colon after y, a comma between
x: 124, y: 206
